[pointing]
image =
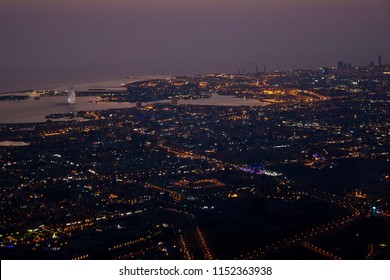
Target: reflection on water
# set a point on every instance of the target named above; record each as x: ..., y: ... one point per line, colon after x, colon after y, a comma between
x: 13, y: 144
x: 31, y: 110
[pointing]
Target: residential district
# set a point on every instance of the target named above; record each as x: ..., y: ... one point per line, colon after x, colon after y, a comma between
x: 304, y: 176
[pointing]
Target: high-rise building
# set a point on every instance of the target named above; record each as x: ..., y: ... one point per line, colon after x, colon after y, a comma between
x: 340, y: 65
x: 380, y: 60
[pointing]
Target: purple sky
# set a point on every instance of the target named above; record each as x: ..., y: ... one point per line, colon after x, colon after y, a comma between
x: 49, y: 42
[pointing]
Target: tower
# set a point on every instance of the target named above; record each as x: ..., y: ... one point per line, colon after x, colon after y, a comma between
x: 380, y: 60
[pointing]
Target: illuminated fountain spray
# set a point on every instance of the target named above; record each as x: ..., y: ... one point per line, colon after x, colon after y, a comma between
x: 72, y: 97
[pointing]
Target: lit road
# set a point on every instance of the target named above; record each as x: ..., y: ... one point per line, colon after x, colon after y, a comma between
x: 192, y: 232
x: 173, y: 194
x: 301, y: 237
x: 320, y: 251
x: 205, y: 248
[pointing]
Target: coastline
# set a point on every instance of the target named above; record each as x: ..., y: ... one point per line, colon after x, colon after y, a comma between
x: 34, y: 111
x: 80, y: 86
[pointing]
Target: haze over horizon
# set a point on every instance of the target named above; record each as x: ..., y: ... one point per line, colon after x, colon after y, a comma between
x: 46, y: 43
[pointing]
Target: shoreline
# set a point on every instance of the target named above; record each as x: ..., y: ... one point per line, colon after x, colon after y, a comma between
x: 35, y: 111
x: 81, y: 86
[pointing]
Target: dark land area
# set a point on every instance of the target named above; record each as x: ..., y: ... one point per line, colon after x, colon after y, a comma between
x: 307, y: 177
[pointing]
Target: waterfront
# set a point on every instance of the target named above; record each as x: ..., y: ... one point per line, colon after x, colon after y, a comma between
x: 305, y: 179
x: 33, y: 111
x: 110, y: 84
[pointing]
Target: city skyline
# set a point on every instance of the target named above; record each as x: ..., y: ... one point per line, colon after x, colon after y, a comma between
x: 195, y: 130
x: 51, y: 43
x: 284, y: 165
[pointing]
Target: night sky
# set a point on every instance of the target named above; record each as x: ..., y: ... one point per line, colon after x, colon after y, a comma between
x: 58, y: 42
